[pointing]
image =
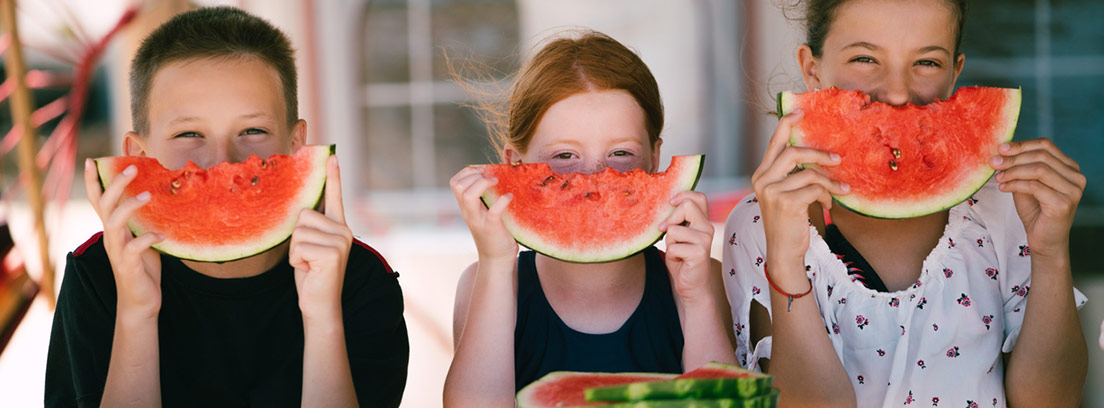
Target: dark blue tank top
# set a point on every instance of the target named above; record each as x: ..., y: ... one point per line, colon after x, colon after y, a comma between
x: 649, y: 341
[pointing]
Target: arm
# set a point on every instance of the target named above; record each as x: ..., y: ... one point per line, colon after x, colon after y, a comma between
x: 803, y: 361
x: 1048, y: 364
x: 696, y: 280
x: 133, y: 374
x: 482, y: 370
x: 319, y: 253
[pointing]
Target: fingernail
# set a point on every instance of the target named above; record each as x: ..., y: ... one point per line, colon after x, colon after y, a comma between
x: 798, y: 113
x: 834, y: 157
x: 999, y: 176
x: 845, y: 187
x: 130, y: 170
x: 88, y: 164
x: 997, y: 160
x: 144, y: 196
x: 1004, y: 147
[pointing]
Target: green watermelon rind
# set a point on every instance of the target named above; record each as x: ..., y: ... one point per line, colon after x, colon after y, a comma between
x: 689, y: 176
x: 308, y: 197
x: 752, y: 385
x: 766, y: 400
x: 871, y: 208
x: 526, y: 397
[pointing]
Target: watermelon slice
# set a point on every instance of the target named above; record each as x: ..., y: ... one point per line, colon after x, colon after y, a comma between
x: 768, y: 400
x: 714, y: 380
x: 228, y: 211
x: 621, y: 210
x: 565, y: 388
x: 910, y: 160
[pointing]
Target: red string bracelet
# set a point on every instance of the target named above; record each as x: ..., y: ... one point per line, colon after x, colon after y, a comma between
x: 789, y: 296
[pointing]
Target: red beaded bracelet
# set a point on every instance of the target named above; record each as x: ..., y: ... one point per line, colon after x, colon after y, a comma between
x: 789, y: 296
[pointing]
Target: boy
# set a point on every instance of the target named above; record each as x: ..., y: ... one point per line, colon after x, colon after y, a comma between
x: 315, y: 321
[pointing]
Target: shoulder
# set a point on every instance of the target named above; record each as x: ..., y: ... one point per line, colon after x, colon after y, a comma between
x: 993, y: 208
x: 369, y: 277
x: 89, y: 264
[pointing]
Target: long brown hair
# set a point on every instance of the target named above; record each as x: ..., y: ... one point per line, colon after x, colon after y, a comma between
x: 818, y: 16
x: 565, y: 66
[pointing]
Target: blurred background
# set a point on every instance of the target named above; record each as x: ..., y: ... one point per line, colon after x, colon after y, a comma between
x: 374, y: 80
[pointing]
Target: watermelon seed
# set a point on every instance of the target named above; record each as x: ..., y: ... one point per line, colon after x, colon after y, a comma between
x: 564, y: 186
x: 594, y: 195
x: 254, y: 181
x: 628, y: 193
x: 545, y: 182
x: 893, y: 165
x: 896, y: 153
x: 264, y: 163
x: 176, y: 184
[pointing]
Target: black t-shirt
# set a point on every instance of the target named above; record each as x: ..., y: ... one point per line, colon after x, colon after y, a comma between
x: 649, y: 341
x: 227, y: 342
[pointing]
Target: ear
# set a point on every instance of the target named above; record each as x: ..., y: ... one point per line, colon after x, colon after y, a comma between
x: 298, y: 134
x: 511, y: 154
x: 655, y: 156
x: 810, y: 67
x: 960, y: 61
x: 134, y: 144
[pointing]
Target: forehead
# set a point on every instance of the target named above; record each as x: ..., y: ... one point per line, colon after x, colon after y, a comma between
x: 592, y: 117
x: 212, y: 86
x: 894, y: 23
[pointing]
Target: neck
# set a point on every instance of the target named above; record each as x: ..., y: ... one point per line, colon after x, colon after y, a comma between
x: 599, y: 277
x: 242, y: 268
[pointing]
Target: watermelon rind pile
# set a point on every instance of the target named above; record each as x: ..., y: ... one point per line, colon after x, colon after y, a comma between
x: 713, y: 385
x: 619, y: 221
x: 226, y: 212
x: 905, y: 161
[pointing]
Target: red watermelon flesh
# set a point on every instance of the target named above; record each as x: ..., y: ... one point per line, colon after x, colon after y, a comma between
x: 905, y: 161
x: 565, y: 388
x: 228, y: 211
x: 619, y: 212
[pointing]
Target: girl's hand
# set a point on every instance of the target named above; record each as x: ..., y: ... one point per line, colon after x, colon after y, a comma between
x: 492, y: 240
x: 319, y: 252
x: 1046, y: 186
x: 136, y: 265
x: 785, y: 195
x: 689, y: 240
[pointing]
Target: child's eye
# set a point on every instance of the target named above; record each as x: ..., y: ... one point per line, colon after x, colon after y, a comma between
x: 563, y: 156
x: 187, y: 134
x: 928, y: 63
x: 621, y: 153
x: 863, y: 59
x: 254, y: 131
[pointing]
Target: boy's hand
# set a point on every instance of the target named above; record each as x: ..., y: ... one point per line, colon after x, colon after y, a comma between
x: 137, y: 267
x: 319, y: 251
x: 689, y: 240
x: 492, y: 240
x: 1046, y: 186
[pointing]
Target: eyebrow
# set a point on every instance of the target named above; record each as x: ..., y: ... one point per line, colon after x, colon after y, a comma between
x: 872, y: 47
x: 190, y: 119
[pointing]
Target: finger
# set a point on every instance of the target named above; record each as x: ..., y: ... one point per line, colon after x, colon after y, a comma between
x: 313, y: 219
x: 475, y: 190
x: 695, y: 198
x: 1039, y: 156
x: 461, y: 185
x: 1015, y: 148
x: 335, y: 209
x: 804, y: 178
x: 690, y: 254
x: 781, y: 136
x: 1045, y: 174
x: 793, y: 157
x: 1047, y: 197
x: 460, y: 181
x: 690, y: 215
x: 683, y: 234
x: 805, y: 195
x: 117, y: 220
x: 92, y: 183
x: 302, y: 254
x: 499, y: 206
x: 114, y: 191
x: 142, y: 243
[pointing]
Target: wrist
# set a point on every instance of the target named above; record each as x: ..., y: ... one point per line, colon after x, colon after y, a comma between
x: 787, y: 274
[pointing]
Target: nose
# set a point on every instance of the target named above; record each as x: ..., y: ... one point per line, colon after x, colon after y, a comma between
x: 897, y: 90
x: 221, y: 150
x: 593, y: 166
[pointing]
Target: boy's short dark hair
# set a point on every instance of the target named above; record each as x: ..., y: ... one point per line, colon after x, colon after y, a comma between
x: 216, y: 32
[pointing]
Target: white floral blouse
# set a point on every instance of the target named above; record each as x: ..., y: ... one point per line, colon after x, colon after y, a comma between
x: 937, y: 343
